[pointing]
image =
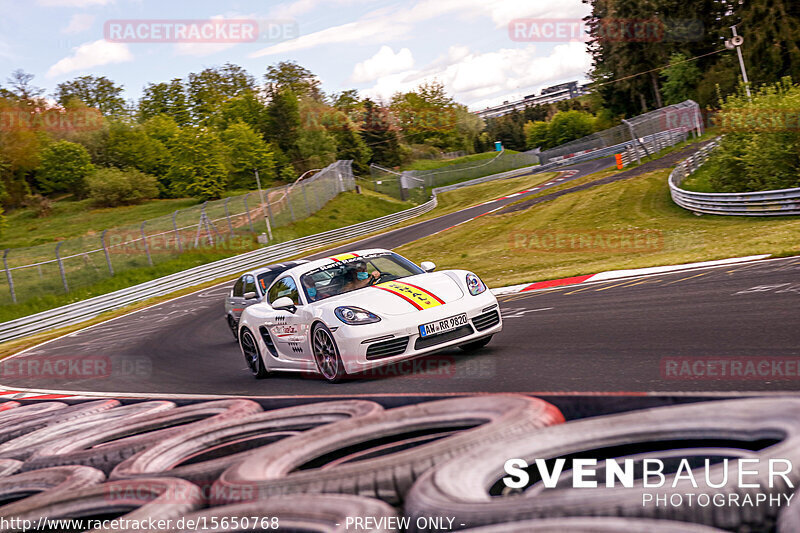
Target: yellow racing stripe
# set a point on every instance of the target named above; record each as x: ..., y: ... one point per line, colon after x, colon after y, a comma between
x: 416, y: 296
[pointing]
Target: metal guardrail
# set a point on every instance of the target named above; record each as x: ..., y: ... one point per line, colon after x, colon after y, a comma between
x: 766, y: 203
x: 81, y: 311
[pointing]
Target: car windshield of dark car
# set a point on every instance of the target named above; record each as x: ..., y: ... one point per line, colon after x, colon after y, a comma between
x: 343, y: 277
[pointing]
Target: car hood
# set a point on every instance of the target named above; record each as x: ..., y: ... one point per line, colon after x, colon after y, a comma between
x: 406, y: 295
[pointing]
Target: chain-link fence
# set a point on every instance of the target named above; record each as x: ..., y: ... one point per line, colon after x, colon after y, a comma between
x: 685, y: 116
x: 416, y: 184
x: 224, y: 226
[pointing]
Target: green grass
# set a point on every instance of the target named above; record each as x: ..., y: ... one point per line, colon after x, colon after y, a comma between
x: 498, y: 247
x: 432, y: 164
x: 700, y: 181
x: 73, y: 218
x: 347, y: 208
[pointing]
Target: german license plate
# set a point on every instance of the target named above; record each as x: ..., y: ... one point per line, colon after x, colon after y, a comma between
x: 442, y: 326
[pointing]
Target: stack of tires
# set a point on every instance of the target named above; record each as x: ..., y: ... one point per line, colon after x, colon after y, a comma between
x: 351, y: 465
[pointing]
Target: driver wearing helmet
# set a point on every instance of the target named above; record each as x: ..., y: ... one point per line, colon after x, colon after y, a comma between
x: 359, y: 278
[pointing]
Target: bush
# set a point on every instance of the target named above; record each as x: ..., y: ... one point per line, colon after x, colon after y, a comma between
x: 761, y: 147
x: 64, y: 168
x: 110, y: 187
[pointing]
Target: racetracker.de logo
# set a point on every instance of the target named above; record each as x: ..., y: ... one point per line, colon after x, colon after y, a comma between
x: 75, y: 367
x: 652, y: 30
x: 56, y: 119
x: 730, y: 368
x: 631, y: 241
x: 216, y: 30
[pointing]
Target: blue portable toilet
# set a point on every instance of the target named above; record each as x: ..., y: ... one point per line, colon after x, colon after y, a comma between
x: 498, y: 146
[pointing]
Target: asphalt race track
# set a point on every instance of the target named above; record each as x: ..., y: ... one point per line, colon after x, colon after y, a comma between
x: 682, y: 331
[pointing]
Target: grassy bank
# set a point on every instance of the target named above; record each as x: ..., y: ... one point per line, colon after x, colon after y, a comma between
x: 347, y: 208
x: 520, y: 247
x: 432, y: 164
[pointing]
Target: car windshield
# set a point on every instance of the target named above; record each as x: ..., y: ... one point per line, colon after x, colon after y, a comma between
x: 356, y: 273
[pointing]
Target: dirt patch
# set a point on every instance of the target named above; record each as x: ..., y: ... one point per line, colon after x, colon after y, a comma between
x: 668, y: 161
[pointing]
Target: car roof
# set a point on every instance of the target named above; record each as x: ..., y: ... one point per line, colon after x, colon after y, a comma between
x: 308, y: 266
x: 278, y: 267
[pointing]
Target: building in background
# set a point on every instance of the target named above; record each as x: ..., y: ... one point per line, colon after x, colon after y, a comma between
x: 549, y: 95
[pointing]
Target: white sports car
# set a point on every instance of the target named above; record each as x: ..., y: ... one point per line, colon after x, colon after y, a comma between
x: 353, y: 312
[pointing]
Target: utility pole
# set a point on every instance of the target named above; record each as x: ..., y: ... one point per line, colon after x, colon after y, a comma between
x: 261, y: 198
x: 736, y: 42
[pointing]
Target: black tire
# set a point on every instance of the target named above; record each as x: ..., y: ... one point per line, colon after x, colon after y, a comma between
x: 165, y: 457
x: 326, y: 353
x: 22, y: 420
x: 474, y: 346
x: 26, y: 445
x: 234, y: 327
x: 29, y: 487
x: 595, y: 525
x: 252, y: 355
x: 460, y: 487
x: 144, y: 499
x: 448, y: 425
x: 123, y: 438
x: 318, y: 513
x: 9, y: 466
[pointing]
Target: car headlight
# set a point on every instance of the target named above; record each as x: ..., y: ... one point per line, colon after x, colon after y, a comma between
x: 355, y: 316
x: 475, y: 285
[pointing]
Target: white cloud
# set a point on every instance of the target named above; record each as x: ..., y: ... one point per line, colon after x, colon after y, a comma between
x: 358, y: 31
x: 74, y: 3
x: 79, y: 23
x: 480, y: 80
x: 386, y: 24
x: 383, y: 63
x: 301, y: 7
x: 90, y: 55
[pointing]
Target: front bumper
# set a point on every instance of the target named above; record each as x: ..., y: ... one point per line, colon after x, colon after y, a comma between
x: 369, y: 346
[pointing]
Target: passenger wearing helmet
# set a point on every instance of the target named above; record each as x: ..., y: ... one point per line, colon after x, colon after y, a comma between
x: 359, y: 278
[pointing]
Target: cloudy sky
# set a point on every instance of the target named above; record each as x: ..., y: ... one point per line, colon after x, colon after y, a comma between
x: 376, y: 46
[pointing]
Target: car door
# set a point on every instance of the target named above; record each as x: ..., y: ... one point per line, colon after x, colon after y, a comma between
x: 289, y: 331
x: 235, y: 300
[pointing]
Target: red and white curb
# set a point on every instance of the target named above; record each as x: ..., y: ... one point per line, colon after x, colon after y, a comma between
x: 619, y: 274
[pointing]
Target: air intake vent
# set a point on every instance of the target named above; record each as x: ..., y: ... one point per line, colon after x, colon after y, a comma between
x: 379, y: 350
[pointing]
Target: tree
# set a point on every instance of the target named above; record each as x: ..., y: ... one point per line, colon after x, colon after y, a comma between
x: 208, y: 90
x: 536, y: 134
x: 64, y: 167
x: 380, y: 135
x: 568, y: 126
x: 283, y: 114
x: 680, y: 79
x: 132, y: 147
x: 163, y: 128
x: 199, y: 164
x: 247, y: 108
x: 772, y: 39
x: 290, y: 75
x: 98, y: 92
x: 165, y: 99
x: 21, y: 87
x: 247, y: 151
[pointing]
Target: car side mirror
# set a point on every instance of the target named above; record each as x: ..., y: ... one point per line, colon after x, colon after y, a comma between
x: 284, y: 304
x: 250, y: 295
x: 428, y: 266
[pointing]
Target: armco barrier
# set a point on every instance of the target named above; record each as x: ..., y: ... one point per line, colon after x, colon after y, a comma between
x: 81, y: 311
x: 767, y: 203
